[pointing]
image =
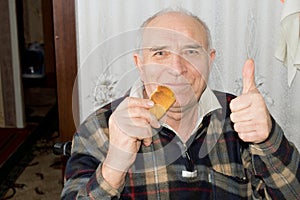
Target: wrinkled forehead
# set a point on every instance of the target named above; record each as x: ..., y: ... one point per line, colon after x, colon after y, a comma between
x: 153, y: 36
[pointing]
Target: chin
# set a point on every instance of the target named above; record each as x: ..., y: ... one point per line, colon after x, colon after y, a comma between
x: 184, y: 103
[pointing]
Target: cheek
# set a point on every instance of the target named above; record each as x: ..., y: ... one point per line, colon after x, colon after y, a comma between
x: 201, y: 70
x: 200, y: 76
x: 151, y: 73
x: 150, y: 76
x: 200, y: 63
x: 199, y: 82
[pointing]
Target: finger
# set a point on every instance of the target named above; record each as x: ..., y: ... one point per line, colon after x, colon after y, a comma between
x: 252, y: 136
x: 244, y: 127
x: 154, y: 122
x: 132, y: 108
x: 144, y: 114
x: 248, y: 76
x: 239, y: 103
x: 137, y: 105
x: 141, y: 130
x: 147, y: 141
x: 132, y: 127
x: 247, y: 136
x: 241, y: 115
x: 130, y: 103
x: 138, y: 102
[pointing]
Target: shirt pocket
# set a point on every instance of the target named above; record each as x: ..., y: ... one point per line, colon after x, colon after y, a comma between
x: 229, y: 187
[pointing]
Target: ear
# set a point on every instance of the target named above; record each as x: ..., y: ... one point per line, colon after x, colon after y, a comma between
x: 137, y: 61
x: 212, y: 55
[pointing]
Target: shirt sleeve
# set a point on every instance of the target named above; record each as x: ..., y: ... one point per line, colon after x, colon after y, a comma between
x: 83, y: 177
x: 276, y: 161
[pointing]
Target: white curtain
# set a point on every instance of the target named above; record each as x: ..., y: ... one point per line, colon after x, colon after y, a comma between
x: 240, y: 29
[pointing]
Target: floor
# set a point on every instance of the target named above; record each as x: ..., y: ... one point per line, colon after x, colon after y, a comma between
x: 41, y: 179
x: 11, y: 139
x: 31, y: 170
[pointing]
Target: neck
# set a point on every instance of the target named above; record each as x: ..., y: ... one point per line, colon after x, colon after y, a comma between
x: 183, y: 122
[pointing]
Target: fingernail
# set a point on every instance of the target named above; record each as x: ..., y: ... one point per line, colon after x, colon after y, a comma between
x: 157, y: 125
x: 150, y: 103
x: 147, y: 143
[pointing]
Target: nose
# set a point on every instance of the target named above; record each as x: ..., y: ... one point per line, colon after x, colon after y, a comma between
x: 177, y: 65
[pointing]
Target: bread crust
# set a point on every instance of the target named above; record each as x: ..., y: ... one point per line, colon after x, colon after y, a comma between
x: 163, y: 98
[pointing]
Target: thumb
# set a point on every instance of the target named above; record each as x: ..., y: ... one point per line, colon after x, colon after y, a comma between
x: 248, y: 76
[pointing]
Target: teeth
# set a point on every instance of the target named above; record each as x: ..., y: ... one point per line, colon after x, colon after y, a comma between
x: 163, y: 98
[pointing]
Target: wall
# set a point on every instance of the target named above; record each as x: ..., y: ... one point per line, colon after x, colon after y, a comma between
x: 2, y: 114
x: 240, y: 29
x: 33, y: 21
x: 11, y: 101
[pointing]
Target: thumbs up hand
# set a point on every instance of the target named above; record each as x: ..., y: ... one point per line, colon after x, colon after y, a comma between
x: 250, y: 114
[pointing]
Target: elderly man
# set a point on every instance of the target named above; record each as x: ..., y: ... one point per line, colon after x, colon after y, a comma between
x: 208, y: 144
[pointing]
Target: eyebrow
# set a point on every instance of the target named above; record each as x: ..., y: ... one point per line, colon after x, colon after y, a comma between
x: 193, y: 46
x: 188, y: 46
x: 157, y: 48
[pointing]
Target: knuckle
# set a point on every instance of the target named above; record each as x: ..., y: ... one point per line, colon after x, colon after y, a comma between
x: 129, y: 101
x: 232, y: 117
x: 244, y: 137
x: 236, y: 127
x: 241, y: 136
x: 232, y: 104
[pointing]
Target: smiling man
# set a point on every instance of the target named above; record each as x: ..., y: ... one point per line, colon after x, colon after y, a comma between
x: 208, y: 145
x: 176, y: 53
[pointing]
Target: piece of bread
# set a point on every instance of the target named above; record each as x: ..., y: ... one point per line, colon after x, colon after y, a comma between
x: 163, y: 98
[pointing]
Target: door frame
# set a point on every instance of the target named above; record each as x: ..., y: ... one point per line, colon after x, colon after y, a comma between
x: 64, y: 26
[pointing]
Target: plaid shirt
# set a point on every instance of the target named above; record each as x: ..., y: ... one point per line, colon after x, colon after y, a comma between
x: 222, y: 166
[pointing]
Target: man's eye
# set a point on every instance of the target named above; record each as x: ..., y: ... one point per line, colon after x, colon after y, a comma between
x: 160, y: 53
x: 191, y: 52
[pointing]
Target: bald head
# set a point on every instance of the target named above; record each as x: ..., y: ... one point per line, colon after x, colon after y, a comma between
x: 174, y: 20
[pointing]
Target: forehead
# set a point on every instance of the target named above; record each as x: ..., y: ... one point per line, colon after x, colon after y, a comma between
x: 174, y: 27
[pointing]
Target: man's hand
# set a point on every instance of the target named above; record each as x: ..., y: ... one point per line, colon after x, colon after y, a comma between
x: 130, y: 125
x: 250, y: 115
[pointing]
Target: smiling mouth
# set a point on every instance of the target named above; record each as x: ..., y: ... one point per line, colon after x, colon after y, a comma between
x: 177, y: 84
